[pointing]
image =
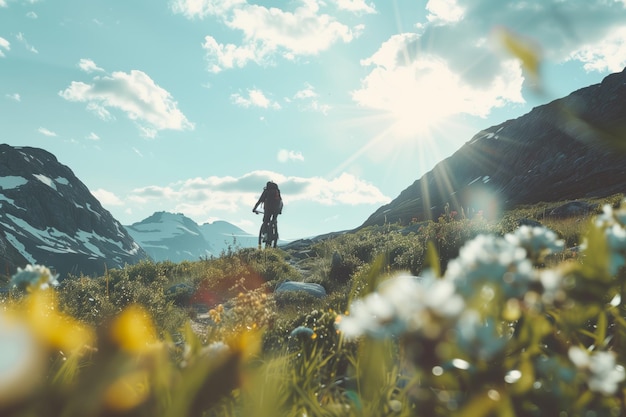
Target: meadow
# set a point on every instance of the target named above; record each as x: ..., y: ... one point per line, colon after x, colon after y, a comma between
x: 462, y: 316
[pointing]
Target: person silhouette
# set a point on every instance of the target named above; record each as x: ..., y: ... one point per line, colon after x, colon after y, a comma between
x: 272, y: 207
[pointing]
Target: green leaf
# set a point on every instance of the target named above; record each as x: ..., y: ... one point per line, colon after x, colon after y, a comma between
x: 601, y: 326
x: 597, y: 256
x: 432, y: 259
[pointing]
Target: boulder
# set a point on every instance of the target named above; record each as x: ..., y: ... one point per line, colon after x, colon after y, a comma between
x: 316, y: 290
x: 573, y: 209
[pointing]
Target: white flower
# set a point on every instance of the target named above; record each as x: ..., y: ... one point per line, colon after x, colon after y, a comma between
x: 552, y: 282
x: 34, y: 276
x: 537, y: 241
x: 373, y: 315
x: 603, y: 374
x: 490, y: 259
x: 402, y: 304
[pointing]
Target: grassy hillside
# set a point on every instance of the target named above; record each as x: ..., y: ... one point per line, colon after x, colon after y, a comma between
x: 523, y: 322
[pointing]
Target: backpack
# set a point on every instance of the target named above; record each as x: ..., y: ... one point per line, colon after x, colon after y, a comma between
x: 273, y: 201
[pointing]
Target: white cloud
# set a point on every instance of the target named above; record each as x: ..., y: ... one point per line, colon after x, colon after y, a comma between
x: 255, y: 98
x: 31, y: 15
x: 268, y: 32
x: 202, y: 8
x: 107, y: 198
x: 136, y: 94
x: 202, y: 197
x: 231, y: 56
x: 309, y: 100
x: 46, y: 132
x: 285, y: 155
x: 88, y: 65
x: 444, y: 11
x: 3, y: 3
x: 14, y: 97
x: 302, y: 32
x: 307, y: 92
x: 357, y: 6
x: 450, y: 66
x: 607, y: 55
x: 4, y: 44
x: 22, y: 39
x: 92, y: 136
x: 100, y: 111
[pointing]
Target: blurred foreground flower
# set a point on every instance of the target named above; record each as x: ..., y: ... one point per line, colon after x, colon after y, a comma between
x: 134, y: 331
x: 538, y: 241
x: 55, y: 329
x: 492, y: 260
x: 524, y: 49
x: 603, y: 374
x: 34, y: 276
x: 403, y: 304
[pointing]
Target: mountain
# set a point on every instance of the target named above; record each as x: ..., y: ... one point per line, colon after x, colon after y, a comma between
x: 175, y: 237
x: 221, y: 235
x: 571, y: 148
x: 49, y: 217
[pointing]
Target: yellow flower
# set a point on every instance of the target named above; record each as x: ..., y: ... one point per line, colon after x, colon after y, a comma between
x: 134, y: 331
x: 56, y: 329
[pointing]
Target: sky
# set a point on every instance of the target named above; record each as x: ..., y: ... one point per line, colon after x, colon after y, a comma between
x: 190, y: 106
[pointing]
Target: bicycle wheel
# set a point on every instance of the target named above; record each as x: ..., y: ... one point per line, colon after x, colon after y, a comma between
x: 262, y: 238
x: 273, y: 238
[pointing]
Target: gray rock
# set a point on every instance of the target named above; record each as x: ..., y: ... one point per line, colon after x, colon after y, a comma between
x: 311, y: 288
x: 572, y: 209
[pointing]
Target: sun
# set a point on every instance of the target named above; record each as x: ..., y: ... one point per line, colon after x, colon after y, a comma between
x: 407, y: 122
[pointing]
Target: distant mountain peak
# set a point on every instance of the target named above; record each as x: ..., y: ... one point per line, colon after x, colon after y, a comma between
x: 175, y: 237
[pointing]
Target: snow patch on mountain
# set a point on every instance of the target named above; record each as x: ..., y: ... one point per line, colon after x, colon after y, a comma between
x: 175, y: 237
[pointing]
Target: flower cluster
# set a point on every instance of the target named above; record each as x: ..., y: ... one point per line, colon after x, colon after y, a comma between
x: 34, y: 276
x: 538, y: 241
x: 492, y: 260
x: 403, y: 304
x: 493, y: 281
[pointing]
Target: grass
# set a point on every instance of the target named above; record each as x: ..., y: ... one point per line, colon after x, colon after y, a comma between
x: 122, y: 344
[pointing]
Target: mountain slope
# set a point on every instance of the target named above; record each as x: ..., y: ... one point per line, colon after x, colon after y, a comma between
x: 49, y: 217
x: 570, y: 148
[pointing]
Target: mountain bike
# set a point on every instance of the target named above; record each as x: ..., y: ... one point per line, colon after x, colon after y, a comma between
x: 268, y: 234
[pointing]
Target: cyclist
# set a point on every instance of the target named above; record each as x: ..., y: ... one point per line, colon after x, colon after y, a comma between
x: 272, y: 205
